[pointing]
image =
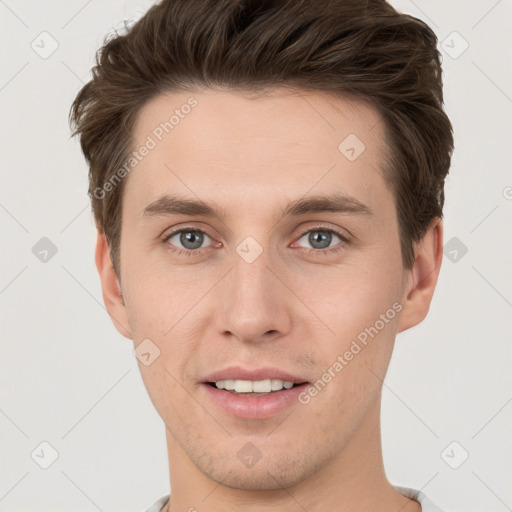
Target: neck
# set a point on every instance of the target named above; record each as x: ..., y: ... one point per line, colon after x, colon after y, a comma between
x: 354, y: 479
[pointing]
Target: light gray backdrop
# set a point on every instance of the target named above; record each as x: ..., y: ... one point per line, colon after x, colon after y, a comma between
x: 71, y: 382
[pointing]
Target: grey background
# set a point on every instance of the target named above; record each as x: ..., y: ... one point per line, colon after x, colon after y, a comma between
x: 70, y: 380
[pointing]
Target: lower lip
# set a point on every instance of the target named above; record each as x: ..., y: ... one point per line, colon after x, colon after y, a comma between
x: 254, y: 407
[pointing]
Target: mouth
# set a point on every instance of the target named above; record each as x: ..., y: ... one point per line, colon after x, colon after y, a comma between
x: 253, y: 400
x: 254, y: 388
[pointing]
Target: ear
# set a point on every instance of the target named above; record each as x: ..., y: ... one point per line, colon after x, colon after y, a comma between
x: 422, y: 278
x: 112, y: 293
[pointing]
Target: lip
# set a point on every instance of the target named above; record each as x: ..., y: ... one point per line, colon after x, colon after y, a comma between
x: 253, y: 407
x: 240, y: 373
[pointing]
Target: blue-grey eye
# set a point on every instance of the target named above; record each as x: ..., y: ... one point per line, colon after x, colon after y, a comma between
x: 190, y: 239
x: 320, y: 238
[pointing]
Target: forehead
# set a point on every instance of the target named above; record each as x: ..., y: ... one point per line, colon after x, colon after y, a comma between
x: 283, y: 144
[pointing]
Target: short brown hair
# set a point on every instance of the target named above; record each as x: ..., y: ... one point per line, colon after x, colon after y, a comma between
x: 351, y: 48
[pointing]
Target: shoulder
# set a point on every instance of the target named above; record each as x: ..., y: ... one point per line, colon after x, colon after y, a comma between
x: 426, y: 504
x: 158, y: 504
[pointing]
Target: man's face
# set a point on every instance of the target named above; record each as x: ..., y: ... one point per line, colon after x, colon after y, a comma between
x: 257, y: 290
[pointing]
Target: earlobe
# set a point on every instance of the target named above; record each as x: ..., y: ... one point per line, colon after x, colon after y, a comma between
x: 112, y: 293
x: 422, y: 278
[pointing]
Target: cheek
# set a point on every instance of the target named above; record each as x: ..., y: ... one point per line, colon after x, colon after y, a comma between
x: 351, y: 297
x: 354, y: 365
x: 361, y: 306
x: 153, y: 297
x: 163, y: 386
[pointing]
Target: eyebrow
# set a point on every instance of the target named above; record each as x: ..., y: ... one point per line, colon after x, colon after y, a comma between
x: 334, y: 203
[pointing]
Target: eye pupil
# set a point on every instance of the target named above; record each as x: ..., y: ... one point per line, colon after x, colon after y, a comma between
x: 325, y: 236
x: 188, y: 236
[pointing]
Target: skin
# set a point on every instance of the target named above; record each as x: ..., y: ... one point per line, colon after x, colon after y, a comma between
x: 290, y: 308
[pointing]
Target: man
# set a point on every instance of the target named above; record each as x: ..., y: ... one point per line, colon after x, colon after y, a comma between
x: 267, y: 183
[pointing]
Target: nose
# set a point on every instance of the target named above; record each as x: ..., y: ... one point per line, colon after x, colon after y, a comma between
x: 255, y: 303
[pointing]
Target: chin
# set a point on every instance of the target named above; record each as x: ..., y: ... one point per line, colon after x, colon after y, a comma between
x: 263, y: 476
x: 249, y: 481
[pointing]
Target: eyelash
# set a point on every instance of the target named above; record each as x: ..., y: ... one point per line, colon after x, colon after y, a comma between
x: 345, y: 240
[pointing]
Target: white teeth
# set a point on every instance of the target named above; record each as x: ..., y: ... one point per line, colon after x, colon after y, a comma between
x: 243, y: 386
x: 258, y: 386
x: 254, y: 386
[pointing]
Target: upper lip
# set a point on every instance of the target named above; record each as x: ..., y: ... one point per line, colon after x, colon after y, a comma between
x: 240, y: 373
